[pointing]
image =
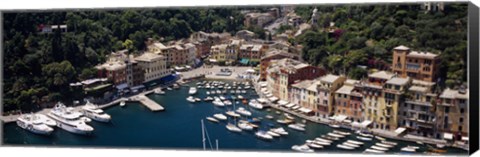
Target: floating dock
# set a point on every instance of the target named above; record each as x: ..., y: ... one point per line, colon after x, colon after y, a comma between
x: 152, y: 105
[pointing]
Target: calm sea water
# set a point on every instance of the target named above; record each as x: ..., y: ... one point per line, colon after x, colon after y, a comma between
x: 179, y: 127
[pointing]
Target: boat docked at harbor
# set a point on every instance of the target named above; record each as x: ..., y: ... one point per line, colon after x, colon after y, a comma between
x: 92, y: 111
x: 255, y: 104
x: 227, y: 102
x: 314, y: 145
x: 345, y: 147
x: 245, y: 126
x: 323, y: 140
x: 379, y: 148
x: 288, y: 116
x: 280, y: 131
x: 318, y: 142
x: 33, y: 124
x: 341, y: 132
x: 191, y: 99
x: 273, y: 134
x: 220, y: 116
x: 233, y: 128
x: 355, y: 142
x: 284, y: 121
x: 296, y: 127
x: 192, y: 91
x: 350, y: 144
x: 389, y: 143
x: 335, y: 135
x: 302, y: 148
x: 243, y: 111
x: 218, y: 102
x: 330, y: 137
x: 263, y: 135
x: 408, y: 149
x: 364, y: 138
x: 232, y: 114
x: 158, y: 91
x: 380, y: 138
x: 122, y: 104
x: 45, y: 120
x: 368, y: 150
x: 208, y: 99
x: 69, y: 121
x: 212, y: 119
x: 384, y: 145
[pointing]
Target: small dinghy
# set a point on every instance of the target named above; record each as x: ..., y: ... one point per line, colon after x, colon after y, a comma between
x: 212, y: 119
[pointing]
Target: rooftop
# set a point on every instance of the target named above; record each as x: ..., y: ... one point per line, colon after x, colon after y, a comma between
x: 398, y: 81
x: 148, y: 57
x: 423, y: 83
x: 303, y: 84
x: 381, y: 75
x: 345, y: 89
x: 351, y: 82
x: 313, y: 86
x: 418, y: 89
x: 454, y: 94
x: 417, y: 54
x: 329, y: 78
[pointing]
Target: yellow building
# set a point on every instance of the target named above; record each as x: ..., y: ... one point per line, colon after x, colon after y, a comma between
x: 326, y: 94
x: 218, y: 52
x: 394, y: 96
x: 373, y: 100
x: 452, y: 115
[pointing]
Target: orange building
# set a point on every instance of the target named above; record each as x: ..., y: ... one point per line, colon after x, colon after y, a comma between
x: 417, y: 65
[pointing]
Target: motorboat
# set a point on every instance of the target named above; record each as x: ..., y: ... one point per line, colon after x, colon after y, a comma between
x: 233, y: 128
x: 218, y: 103
x: 319, y: 142
x: 218, y: 91
x: 323, y: 140
x: 212, y: 119
x: 440, y: 146
x: 238, y: 91
x: 341, y: 132
x: 301, y: 125
x: 390, y: 143
x: 197, y: 99
x: 245, y: 126
x: 122, y: 104
x: 355, y: 142
x: 345, y: 147
x: 227, y: 102
x: 158, y: 91
x: 33, y: 124
x: 414, y: 147
x: 208, y: 93
x: 350, y: 144
x: 68, y: 120
x: 273, y: 134
x: 288, y: 116
x: 92, y: 111
x: 220, y: 116
x: 296, y: 127
x: 233, y: 97
x: 222, y: 97
x: 208, y: 99
x: 269, y: 117
x: 384, y: 145
x: 191, y: 99
x: 408, y: 149
x: 244, y: 91
x: 373, y: 151
x: 364, y: 138
x: 232, y: 113
x: 45, y: 120
x: 335, y: 135
x: 364, y: 134
x: 379, y: 148
x: 176, y: 86
x: 330, y: 138
x: 240, y: 97
x: 243, y: 111
x: 380, y: 138
x: 262, y: 100
x: 302, y: 148
x: 263, y: 135
x: 334, y: 125
x: 168, y: 88
x: 314, y: 145
x: 280, y: 131
x: 284, y: 121
x: 192, y: 90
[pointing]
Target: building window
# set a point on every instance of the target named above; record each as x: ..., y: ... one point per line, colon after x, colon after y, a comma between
x: 460, y: 128
x: 461, y: 120
x: 447, y: 109
x: 462, y: 110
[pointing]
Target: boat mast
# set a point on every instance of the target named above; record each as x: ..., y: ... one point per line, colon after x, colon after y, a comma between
x: 203, y: 134
x: 216, y: 142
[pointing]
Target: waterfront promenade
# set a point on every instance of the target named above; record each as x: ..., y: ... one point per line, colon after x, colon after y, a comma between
x: 210, y: 72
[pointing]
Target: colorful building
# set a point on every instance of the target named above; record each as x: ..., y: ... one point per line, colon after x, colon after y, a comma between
x: 348, y: 101
x: 394, y: 95
x: 417, y: 65
x: 452, y: 115
x: 373, y: 100
x: 273, y: 55
x: 154, y: 66
x: 326, y: 94
x: 251, y: 53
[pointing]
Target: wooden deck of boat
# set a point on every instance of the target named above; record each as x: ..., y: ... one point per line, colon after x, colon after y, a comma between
x: 152, y: 105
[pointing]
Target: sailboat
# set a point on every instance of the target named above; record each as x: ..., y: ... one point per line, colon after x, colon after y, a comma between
x: 204, y: 132
x: 230, y: 126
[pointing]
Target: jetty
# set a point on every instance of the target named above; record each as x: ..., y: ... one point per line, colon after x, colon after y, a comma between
x: 152, y: 105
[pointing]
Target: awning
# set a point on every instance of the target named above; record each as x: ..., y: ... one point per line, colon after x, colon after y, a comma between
x: 122, y: 86
x: 448, y: 136
x: 295, y: 107
x: 272, y: 99
x: 340, y: 118
x: 464, y: 138
x: 305, y: 110
x: 290, y: 105
x: 282, y: 102
x: 244, y: 61
x: 365, y: 124
x: 400, y: 130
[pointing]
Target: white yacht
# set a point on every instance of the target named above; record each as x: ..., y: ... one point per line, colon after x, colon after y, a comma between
x: 217, y: 102
x: 355, y: 142
x: 280, y: 131
x: 222, y: 97
x: 192, y: 90
x: 69, y: 121
x: 33, y: 124
x: 384, y: 145
x: 335, y: 135
x: 212, y: 119
x: 190, y: 99
x: 296, y: 127
x: 323, y: 140
x: 227, y: 102
x: 122, y: 104
x: 233, y: 128
x: 379, y: 148
x: 341, y: 132
x: 345, y: 147
x: 350, y: 144
x: 240, y: 97
x: 373, y: 151
x: 243, y: 111
x: 245, y: 126
x: 255, y: 104
x: 314, y: 145
x: 263, y: 135
x: 273, y: 134
x: 364, y: 138
x: 232, y: 113
x: 319, y: 142
x: 220, y: 116
x: 302, y: 148
x: 92, y: 111
x: 208, y: 99
x: 46, y: 120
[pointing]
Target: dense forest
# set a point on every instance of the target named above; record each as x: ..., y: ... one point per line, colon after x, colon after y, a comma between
x: 366, y: 35
x: 38, y: 67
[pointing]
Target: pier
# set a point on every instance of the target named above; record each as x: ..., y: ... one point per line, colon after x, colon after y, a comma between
x: 152, y: 105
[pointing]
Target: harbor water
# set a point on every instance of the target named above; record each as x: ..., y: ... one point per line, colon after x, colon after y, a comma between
x: 179, y: 127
